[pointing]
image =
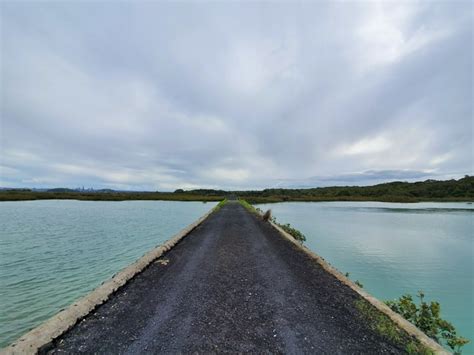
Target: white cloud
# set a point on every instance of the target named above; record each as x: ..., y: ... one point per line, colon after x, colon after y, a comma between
x: 440, y: 159
x: 165, y: 95
x: 387, y: 34
x: 373, y: 145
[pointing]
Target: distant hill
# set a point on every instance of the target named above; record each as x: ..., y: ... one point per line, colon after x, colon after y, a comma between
x: 398, y: 191
x: 429, y: 190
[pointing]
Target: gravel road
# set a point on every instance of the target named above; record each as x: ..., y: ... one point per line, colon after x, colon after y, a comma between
x: 232, y: 285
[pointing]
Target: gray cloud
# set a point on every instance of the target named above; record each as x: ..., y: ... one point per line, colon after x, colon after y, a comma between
x: 240, y: 95
x: 369, y: 177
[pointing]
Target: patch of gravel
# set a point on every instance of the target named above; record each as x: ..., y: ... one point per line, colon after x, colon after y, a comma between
x: 232, y: 285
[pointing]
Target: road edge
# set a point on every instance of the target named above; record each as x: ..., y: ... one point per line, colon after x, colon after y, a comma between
x: 44, y: 334
x: 401, y: 322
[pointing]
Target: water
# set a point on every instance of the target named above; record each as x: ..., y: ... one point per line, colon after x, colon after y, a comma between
x: 396, y: 248
x: 53, y: 252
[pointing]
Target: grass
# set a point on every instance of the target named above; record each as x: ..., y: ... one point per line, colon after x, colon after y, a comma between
x: 376, y: 320
x: 220, y: 204
x: 385, y: 327
x: 249, y: 207
x: 295, y: 233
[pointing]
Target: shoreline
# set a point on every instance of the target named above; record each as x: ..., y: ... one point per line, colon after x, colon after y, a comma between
x: 191, y: 198
x: 195, y: 251
x: 40, y: 336
x: 461, y: 190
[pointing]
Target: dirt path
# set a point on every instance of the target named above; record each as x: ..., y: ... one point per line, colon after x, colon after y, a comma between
x: 232, y: 285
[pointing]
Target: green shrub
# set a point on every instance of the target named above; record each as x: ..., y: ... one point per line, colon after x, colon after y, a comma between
x: 426, y: 316
x: 358, y: 283
x: 295, y: 233
x: 384, y: 326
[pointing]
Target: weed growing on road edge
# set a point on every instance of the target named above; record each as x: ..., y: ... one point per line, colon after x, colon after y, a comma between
x: 383, y: 325
x: 295, y: 233
x: 358, y: 283
x: 249, y: 207
x: 220, y: 204
x: 427, y: 318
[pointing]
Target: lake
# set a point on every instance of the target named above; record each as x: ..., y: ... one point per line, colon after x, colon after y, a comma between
x: 53, y: 252
x: 396, y: 248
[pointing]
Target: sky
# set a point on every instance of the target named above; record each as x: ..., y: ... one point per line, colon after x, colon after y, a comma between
x: 234, y: 95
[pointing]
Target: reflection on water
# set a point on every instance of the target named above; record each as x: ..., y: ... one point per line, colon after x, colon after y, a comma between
x: 53, y: 252
x: 396, y: 248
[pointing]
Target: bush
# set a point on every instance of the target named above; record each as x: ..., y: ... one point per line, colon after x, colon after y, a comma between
x: 295, y: 233
x: 427, y: 318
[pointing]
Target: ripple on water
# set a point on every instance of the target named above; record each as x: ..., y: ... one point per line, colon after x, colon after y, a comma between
x: 54, y: 252
x: 396, y: 248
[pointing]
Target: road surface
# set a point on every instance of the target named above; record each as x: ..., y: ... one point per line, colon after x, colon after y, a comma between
x: 232, y: 285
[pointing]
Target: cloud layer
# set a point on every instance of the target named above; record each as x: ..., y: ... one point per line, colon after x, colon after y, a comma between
x: 237, y: 95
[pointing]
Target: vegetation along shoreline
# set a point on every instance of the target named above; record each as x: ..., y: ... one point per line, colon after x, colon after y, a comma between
x: 461, y: 190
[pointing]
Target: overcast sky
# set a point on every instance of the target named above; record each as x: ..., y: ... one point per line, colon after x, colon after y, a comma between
x: 157, y: 95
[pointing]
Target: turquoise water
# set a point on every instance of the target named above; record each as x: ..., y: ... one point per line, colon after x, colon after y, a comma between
x: 53, y: 252
x: 396, y: 248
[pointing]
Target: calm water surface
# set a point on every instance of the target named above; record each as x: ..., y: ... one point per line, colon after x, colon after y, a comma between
x: 395, y: 248
x: 53, y: 252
